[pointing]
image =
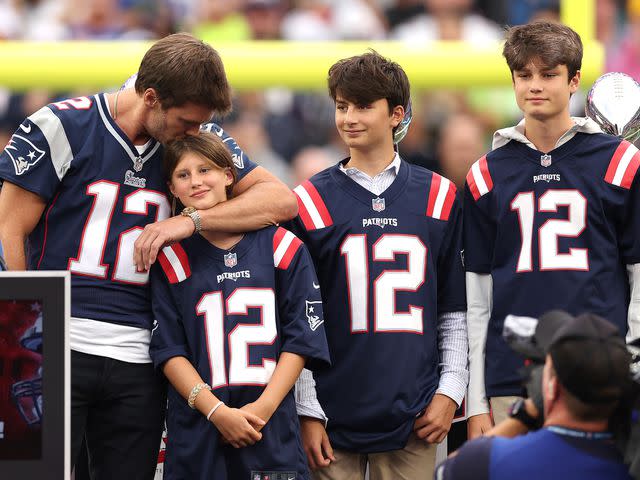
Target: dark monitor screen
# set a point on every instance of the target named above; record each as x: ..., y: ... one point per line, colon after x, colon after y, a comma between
x: 34, y: 375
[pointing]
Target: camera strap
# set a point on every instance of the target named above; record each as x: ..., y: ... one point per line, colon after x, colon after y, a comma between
x: 568, y: 432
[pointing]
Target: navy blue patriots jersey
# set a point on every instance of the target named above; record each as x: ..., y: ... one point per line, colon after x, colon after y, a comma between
x: 99, y: 192
x: 388, y: 265
x: 231, y: 314
x: 554, y: 231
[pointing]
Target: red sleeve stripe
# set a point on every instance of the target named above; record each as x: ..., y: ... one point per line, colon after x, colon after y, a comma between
x: 285, y: 246
x: 175, y: 263
x: 313, y: 211
x: 623, y: 166
x: 479, y: 178
x: 441, y: 196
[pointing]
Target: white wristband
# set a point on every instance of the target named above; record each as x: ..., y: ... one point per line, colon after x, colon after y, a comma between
x: 215, y: 407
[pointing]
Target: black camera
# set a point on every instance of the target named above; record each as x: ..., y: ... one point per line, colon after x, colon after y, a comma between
x: 520, y: 334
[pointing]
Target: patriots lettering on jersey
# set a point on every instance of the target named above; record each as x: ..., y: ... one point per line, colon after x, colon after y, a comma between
x: 546, y: 177
x: 22, y: 152
x: 312, y: 209
x: 285, y: 246
x: 441, y: 196
x: 175, y: 263
x: 479, y: 179
x: 234, y: 275
x: 379, y: 222
x: 133, y: 181
x: 623, y: 166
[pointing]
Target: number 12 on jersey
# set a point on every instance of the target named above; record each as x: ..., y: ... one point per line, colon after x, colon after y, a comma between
x: 549, y: 258
x: 241, y: 337
x: 385, y: 249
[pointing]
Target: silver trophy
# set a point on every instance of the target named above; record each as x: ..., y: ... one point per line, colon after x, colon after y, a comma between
x: 614, y: 103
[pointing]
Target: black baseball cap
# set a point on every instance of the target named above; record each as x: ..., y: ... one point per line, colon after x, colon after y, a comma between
x: 589, y: 355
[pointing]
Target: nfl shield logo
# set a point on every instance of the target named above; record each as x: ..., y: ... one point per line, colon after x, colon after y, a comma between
x: 377, y: 204
x: 230, y: 260
x: 545, y: 160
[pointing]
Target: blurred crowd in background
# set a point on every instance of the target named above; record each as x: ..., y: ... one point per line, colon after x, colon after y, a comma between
x: 291, y: 133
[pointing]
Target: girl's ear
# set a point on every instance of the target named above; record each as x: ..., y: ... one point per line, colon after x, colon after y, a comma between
x: 229, y: 176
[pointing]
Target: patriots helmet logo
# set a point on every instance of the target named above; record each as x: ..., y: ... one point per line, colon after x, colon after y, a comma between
x: 23, y: 153
x: 238, y: 160
x: 313, y: 310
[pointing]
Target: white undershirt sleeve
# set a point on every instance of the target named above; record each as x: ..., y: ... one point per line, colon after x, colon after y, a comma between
x: 633, y: 317
x: 454, y: 353
x: 479, y: 304
x: 307, y: 403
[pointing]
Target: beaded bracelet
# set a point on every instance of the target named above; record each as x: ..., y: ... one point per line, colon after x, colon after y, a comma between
x: 194, y: 393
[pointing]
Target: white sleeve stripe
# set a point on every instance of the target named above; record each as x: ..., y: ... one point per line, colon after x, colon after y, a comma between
x: 175, y: 263
x: 282, y: 248
x: 442, y: 196
x: 310, y: 206
x: 479, y: 179
x: 624, y: 164
x: 53, y: 131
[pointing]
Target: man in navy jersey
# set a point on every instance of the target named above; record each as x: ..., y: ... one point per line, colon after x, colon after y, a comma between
x: 385, y: 237
x: 82, y: 178
x: 585, y: 375
x: 550, y: 219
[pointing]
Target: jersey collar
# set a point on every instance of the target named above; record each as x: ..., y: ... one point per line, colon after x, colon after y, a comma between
x: 395, y: 165
x: 505, y: 135
x: 138, y: 160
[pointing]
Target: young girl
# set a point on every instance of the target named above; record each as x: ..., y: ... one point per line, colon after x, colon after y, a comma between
x: 237, y: 316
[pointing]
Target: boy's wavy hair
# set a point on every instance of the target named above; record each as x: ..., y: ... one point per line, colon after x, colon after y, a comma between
x: 552, y: 44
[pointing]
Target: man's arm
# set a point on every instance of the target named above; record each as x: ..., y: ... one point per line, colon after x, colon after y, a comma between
x: 260, y: 200
x: 20, y: 211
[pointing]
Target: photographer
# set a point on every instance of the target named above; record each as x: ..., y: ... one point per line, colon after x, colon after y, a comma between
x: 585, y: 376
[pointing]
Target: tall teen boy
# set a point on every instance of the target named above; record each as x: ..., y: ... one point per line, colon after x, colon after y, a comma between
x: 551, y: 218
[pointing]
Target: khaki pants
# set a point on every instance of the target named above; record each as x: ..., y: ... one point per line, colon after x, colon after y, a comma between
x: 500, y: 408
x: 416, y: 461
